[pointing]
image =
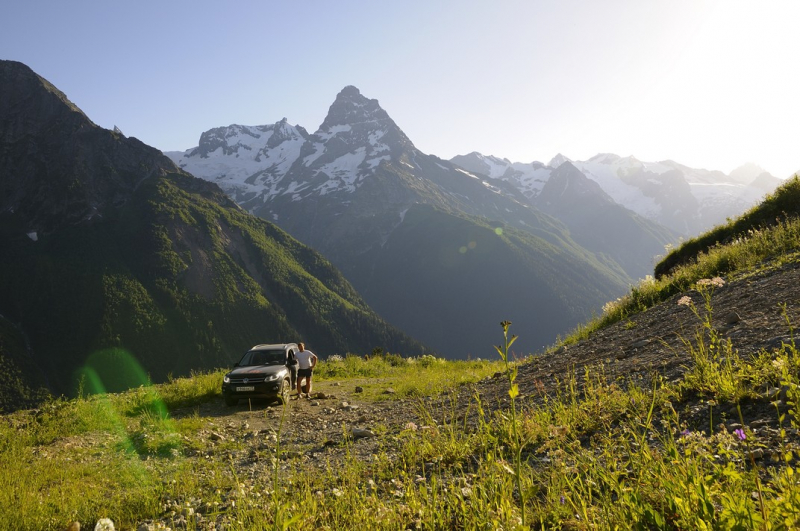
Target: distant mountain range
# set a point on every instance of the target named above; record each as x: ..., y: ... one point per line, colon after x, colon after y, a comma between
x: 440, y: 251
x: 686, y: 200
x: 117, y: 264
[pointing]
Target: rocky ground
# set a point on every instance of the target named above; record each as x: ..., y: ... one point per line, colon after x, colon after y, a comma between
x: 321, y: 431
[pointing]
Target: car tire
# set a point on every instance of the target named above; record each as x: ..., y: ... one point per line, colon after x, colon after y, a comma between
x: 283, y: 394
x: 231, y: 401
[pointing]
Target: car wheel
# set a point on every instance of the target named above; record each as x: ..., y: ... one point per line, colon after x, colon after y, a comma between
x: 231, y: 401
x: 283, y: 394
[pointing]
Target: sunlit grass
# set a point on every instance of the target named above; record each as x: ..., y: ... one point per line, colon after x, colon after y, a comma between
x: 408, y: 377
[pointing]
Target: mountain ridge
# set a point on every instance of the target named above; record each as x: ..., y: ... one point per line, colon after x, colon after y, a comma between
x: 144, y: 262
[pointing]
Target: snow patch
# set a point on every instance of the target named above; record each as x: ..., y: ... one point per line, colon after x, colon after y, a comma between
x: 465, y: 172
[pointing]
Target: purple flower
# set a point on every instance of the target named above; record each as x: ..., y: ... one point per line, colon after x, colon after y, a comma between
x: 563, y: 501
x: 740, y: 434
x: 686, y: 432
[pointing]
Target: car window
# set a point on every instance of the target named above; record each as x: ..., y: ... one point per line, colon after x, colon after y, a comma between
x: 263, y: 357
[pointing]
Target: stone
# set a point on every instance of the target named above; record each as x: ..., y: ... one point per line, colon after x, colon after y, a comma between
x: 360, y: 433
x: 359, y: 389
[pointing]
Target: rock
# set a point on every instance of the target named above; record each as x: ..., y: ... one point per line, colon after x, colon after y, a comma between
x: 74, y: 526
x: 389, y: 391
x: 359, y: 389
x: 216, y: 436
x: 759, y: 423
x: 359, y: 433
x: 315, y: 403
x: 731, y: 318
x: 758, y: 453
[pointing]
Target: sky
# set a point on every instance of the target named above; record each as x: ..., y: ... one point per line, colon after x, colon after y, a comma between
x: 709, y: 84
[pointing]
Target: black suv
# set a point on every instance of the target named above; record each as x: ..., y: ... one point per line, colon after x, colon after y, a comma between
x: 263, y: 372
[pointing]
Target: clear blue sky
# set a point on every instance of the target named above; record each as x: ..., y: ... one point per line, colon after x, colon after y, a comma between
x: 708, y: 84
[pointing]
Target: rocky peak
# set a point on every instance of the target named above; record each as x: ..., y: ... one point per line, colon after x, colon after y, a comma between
x: 746, y: 173
x: 350, y: 108
x: 283, y: 131
x: 558, y: 160
x: 569, y: 178
x: 355, y: 123
x: 29, y: 102
x: 56, y: 166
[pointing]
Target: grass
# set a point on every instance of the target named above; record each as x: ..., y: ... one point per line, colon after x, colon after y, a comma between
x: 409, y: 377
x: 590, y: 454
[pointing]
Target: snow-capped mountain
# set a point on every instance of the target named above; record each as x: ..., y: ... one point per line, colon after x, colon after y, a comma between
x: 437, y: 250
x: 687, y: 200
x: 244, y: 159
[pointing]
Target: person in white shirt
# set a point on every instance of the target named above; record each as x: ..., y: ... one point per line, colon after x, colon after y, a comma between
x: 306, y: 361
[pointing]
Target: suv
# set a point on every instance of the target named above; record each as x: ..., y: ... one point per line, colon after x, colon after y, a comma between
x: 263, y: 372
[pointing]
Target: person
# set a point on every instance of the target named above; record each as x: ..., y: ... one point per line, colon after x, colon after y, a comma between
x: 292, y: 363
x: 306, y: 361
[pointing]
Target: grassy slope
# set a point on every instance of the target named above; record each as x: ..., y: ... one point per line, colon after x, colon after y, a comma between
x: 609, y: 457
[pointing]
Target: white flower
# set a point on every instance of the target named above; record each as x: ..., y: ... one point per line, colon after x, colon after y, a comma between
x: 104, y: 524
x: 685, y: 301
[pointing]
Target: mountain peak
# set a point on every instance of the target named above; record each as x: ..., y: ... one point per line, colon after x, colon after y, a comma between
x: 350, y: 92
x: 746, y: 173
x: 63, y: 155
x: 558, y: 160
x: 351, y: 107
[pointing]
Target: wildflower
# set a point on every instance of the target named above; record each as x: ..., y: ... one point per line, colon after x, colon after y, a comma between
x: 104, y: 524
x: 740, y: 434
x: 685, y: 301
x: 410, y: 426
x: 716, y: 282
x: 563, y: 500
x: 686, y: 432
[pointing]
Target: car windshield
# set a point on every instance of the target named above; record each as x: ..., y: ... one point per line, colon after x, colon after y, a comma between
x: 263, y: 357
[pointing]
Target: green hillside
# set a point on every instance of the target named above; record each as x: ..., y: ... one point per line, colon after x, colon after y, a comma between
x: 175, y: 280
